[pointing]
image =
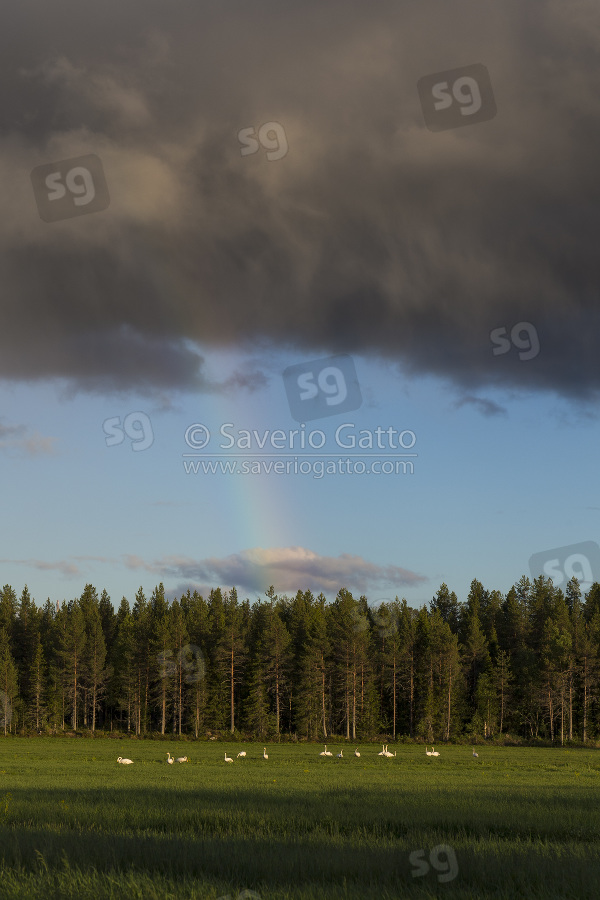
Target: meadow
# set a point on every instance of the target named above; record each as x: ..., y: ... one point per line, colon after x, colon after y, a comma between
x: 516, y: 822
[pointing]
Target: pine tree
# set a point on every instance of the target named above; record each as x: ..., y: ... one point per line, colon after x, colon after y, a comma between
x: 124, y: 681
x: 277, y: 645
x: 390, y: 659
x: 163, y: 665
x: 25, y: 631
x: 589, y: 667
x: 450, y: 678
x: 180, y: 644
x: 475, y: 653
x: 307, y: 624
x: 446, y: 603
x: 8, y: 610
x: 196, y: 613
x: 232, y: 650
x: 349, y: 636
x: 72, y: 652
x: 407, y: 629
x: 502, y: 681
x: 258, y: 717
x: 8, y: 680
x: 37, y: 682
x: 95, y: 659
x: 145, y: 615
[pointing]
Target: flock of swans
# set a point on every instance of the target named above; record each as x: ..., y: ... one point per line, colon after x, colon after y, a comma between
x: 180, y: 759
x: 170, y: 760
x: 384, y: 752
x: 325, y: 752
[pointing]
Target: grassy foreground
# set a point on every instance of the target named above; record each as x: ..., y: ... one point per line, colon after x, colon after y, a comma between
x: 513, y: 823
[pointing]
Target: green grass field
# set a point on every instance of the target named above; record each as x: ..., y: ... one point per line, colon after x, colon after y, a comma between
x: 75, y: 824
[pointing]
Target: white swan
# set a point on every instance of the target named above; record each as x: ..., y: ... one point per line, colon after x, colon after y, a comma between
x: 323, y: 752
x: 356, y: 753
x: 265, y: 756
x: 387, y: 752
x: 125, y: 762
x: 182, y: 759
x: 340, y: 754
x: 228, y: 758
x: 428, y: 752
x: 434, y: 752
x: 170, y: 759
x: 241, y: 753
x: 383, y: 751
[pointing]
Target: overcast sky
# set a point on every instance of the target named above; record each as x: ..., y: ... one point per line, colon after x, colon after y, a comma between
x: 455, y: 260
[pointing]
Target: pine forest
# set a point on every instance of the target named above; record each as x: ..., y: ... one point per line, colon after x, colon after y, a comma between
x: 521, y: 667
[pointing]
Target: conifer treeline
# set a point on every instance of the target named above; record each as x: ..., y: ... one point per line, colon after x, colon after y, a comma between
x: 527, y: 664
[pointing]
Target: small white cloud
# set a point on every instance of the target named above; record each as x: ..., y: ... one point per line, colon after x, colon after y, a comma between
x: 16, y: 440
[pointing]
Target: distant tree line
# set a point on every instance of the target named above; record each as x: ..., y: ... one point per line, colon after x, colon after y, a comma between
x: 527, y: 664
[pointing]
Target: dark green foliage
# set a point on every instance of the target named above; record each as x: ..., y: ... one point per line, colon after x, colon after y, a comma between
x: 526, y: 665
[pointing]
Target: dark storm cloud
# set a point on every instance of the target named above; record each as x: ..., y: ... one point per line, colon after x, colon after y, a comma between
x: 370, y: 235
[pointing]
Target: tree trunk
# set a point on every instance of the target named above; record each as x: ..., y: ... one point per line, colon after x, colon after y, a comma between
x: 362, y: 692
x: 74, y: 716
x: 394, y: 697
x: 138, y: 711
x: 449, y: 703
x: 347, y: 691
x: 354, y: 696
x: 146, y: 688
x: 570, y: 704
x: 585, y: 699
x: 412, y: 694
x: 232, y: 673
x: 323, y: 694
x: 180, y: 694
x: 562, y: 713
x: 502, y: 696
x: 277, y: 696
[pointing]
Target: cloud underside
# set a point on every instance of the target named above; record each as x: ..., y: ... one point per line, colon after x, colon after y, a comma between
x: 372, y: 235
x: 252, y: 571
x: 289, y: 569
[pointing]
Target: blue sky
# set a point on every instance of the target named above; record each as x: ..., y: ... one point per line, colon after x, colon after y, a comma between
x: 201, y: 228
x: 486, y: 493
